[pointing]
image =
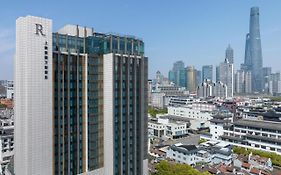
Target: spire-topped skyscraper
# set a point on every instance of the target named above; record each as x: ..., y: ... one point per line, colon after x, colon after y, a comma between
x: 229, y: 54
x: 253, y: 51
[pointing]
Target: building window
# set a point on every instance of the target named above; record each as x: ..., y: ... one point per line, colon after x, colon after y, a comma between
x: 46, y: 77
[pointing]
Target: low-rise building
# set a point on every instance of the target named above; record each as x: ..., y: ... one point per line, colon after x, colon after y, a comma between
x: 212, y: 153
x: 6, y: 138
x: 168, y: 126
x: 255, y: 134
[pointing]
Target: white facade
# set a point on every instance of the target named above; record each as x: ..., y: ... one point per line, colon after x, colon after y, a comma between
x: 210, y: 152
x: 10, y: 89
x: 6, y: 142
x: 182, y: 155
x: 108, y: 114
x: 33, y: 97
x: 226, y: 76
x: 167, y: 127
x: 189, y: 112
x: 220, y: 90
x: 261, y: 135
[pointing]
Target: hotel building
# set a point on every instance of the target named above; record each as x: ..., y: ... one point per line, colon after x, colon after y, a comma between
x: 80, y: 101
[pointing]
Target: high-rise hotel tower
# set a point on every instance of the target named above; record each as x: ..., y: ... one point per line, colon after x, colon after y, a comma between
x: 80, y: 101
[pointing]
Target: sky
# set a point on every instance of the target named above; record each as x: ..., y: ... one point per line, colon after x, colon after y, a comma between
x: 194, y: 31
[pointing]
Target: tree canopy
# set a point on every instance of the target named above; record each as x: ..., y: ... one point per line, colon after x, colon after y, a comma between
x: 154, y: 111
x: 166, y: 168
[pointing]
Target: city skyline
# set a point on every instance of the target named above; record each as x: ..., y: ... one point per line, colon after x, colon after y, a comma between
x: 183, y: 43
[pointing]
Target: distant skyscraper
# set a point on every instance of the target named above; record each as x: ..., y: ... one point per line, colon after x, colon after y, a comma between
x: 229, y: 54
x: 80, y: 101
x: 226, y: 76
x: 191, y: 78
x: 178, y: 74
x: 217, y: 73
x: 198, y: 77
x: 207, y: 72
x: 253, y: 51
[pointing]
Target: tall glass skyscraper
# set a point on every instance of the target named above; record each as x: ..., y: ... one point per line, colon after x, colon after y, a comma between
x: 253, y: 51
x: 207, y: 72
x: 80, y: 101
x: 178, y: 74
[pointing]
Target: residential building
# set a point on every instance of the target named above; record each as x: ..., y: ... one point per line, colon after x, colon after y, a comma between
x: 243, y: 82
x: 227, y: 77
x: 266, y: 72
x: 212, y: 153
x: 274, y: 85
x: 80, y: 101
x: 205, y: 89
x: 6, y: 138
x: 220, y: 90
x: 10, y: 89
x: 169, y: 126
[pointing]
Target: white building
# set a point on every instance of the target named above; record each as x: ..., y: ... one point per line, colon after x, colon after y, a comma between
x: 254, y: 134
x: 10, y: 89
x: 226, y: 76
x: 34, y: 150
x: 183, y: 153
x: 212, y: 153
x: 243, y: 81
x: 189, y: 112
x: 6, y: 142
x: 168, y: 126
x: 220, y: 90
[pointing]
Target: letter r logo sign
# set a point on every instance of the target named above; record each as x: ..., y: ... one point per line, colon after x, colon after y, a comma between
x: 39, y: 30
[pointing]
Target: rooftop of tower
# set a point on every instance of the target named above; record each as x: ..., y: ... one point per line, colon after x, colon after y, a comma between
x: 80, y: 39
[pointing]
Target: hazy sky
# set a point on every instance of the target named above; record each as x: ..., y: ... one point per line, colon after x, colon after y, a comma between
x: 195, y: 31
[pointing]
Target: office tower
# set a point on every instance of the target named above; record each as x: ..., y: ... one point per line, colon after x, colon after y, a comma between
x: 229, y: 54
x: 176, y: 75
x: 253, y: 51
x: 266, y: 71
x: 191, y: 78
x: 217, y: 73
x: 198, y: 77
x: 226, y: 76
x: 80, y: 101
x: 207, y: 72
x: 182, y: 77
x: 243, y: 82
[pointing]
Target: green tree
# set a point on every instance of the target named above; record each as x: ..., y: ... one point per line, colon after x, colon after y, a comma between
x: 166, y: 168
x: 154, y: 111
x: 202, y: 141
